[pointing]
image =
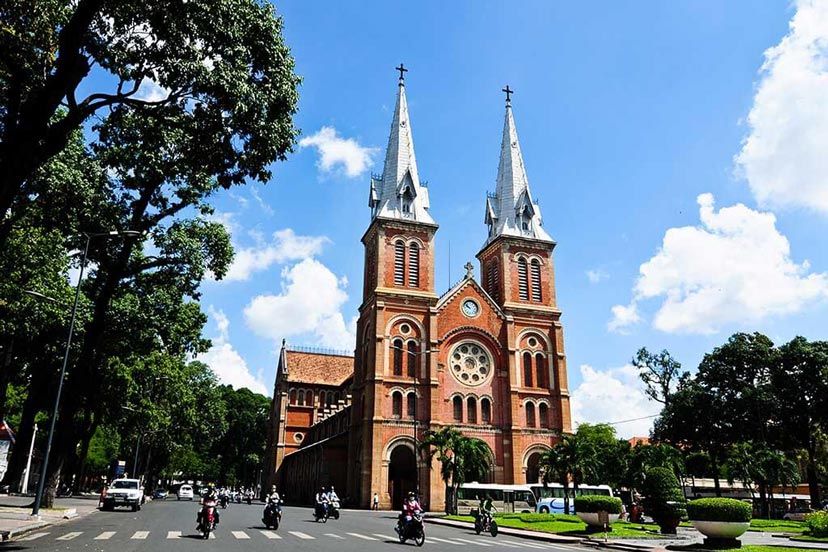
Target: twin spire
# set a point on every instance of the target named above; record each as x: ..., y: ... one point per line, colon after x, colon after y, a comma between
x: 399, y: 194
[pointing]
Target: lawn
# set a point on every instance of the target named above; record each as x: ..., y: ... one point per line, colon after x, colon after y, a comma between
x: 569, y: 525
x: 777, y: 526
x: 809, y: 538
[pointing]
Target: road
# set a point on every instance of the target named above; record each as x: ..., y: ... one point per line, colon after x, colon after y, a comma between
x: 170, y: 525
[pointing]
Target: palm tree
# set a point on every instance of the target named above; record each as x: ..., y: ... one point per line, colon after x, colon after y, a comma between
x: 441, y: 444
x: 554, y: 467
x: 572, y: 460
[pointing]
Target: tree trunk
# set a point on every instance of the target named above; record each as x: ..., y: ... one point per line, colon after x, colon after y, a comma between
x: 19, y: 456
x: 5, y: 376
x: 716, y: 484
x: 763, y: 499
x: 812, y: 476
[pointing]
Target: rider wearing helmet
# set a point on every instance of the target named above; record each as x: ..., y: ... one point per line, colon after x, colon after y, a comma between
x: 410, y: 506
x: 210, y: 494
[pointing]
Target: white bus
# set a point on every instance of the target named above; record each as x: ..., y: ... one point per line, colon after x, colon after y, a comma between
x: 506, y: 498
x: 550, y: 498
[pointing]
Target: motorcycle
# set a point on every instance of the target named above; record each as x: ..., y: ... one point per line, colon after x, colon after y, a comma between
x: 485, y: 522
x: 320, y: 513
x: 249, y: 499
x: 238, y: 498
x: 333, y: 509
x: 207, y: 520
x: 272, y: 516
x: 412, y: 529
x: 223, y: 501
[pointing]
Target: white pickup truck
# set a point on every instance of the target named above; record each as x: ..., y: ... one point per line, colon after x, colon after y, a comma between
x: 124, y: 492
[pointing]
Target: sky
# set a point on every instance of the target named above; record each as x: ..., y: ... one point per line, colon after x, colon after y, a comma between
x: 678, y: 150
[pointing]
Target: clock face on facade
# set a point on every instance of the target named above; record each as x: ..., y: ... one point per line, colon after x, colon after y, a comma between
x: 470, y: 308
x: 471, y: 364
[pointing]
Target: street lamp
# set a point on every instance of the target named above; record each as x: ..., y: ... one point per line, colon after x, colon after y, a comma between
x: 42, y: 483
x: 416, y: 451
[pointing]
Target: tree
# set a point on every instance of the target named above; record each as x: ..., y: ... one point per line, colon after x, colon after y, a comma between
x: 573, y: 459
x: 459, y: 457
x: 219, y: 71
x: 661, y: 373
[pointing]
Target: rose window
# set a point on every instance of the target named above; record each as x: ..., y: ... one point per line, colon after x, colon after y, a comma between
x: 470, y: 363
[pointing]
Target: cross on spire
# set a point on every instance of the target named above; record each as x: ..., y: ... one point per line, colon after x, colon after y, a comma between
x: 509, y: 93
x: 402, y: 71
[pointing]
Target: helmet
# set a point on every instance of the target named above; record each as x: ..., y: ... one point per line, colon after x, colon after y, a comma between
x: 411, y: 495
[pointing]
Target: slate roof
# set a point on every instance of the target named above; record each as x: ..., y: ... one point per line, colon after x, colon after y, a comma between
x: 319, y: 368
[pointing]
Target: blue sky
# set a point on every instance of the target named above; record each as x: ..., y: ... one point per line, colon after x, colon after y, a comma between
x: 680, y: 165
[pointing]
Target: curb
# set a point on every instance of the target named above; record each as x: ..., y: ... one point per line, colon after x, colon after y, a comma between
x: 20, y: 531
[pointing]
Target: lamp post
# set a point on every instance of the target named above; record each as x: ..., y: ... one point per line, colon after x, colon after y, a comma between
x: 43, y: 469
x: 416, y: 383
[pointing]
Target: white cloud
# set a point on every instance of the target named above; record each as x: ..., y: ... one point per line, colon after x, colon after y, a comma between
x: 734, y: 268
x: 335, y: 151
x: 226, y: 362
x: 596, y: 275
x: 613, y: 395
x: 151, y: 91
x: 284, y: 246
x: 623, y: 317
x: 268, y: 210
x: 784, y: 155
x: 309, y: 305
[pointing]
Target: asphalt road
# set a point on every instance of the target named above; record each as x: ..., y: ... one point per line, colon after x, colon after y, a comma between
x: 170, y: 525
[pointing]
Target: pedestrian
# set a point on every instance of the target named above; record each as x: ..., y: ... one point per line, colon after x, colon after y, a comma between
x: 375, y: 505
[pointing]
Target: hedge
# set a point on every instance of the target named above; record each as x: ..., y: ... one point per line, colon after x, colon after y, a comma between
x: 817, y: 522
x: 597, y: 503
x: 719, y: 509
x: 663, y: 499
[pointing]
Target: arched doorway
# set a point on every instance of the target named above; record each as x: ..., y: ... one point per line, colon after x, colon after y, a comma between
x: 533, y: 468
x: 402, y: 474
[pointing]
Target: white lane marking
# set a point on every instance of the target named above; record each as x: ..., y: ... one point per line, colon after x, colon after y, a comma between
x: 301, y: 535
x: 446, y: 541
x: 364, y: 537
x: 140, y: 535
x: 528, y: 544
x: 70, y: 536
x: 478, y: 543
x: 507, y: 544
x: 212, y: 535
x: 33, y: 536
x: 380, y: 535
x: 270, y: 534
x: 334, y: 536
x: 240, y: 534
x: 173, y: 534
x: 106, y: 535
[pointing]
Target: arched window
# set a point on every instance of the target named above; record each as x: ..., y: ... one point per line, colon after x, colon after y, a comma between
x: 292, y: 396
x: 471, y: 410
x: 329, y: 398
x: 542, y: 372
x: 523, y: 280
x: 491, y: 281
x: 412, y: 359
x: 399, y: 263
x: 396, y: 404
x: 322, y: 398
x: 543, y: 414
x: 527, y: 370
x: 458, y: 409
x: 485, y: 411
x: 411, y: 405
x: 399, y: 350
x: 414, y: 265
x: 536, y: 281
x: 301, y: 401
x: 530, y: 415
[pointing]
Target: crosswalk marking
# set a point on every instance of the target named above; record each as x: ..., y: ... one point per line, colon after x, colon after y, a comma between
x: 70, y: 536
x: 33, y: 536
x: 240, y: 534
x: 364, y: 537
x: 334, y: 536
x: 529, y: 544
x: 106, y: 535
x: 301, y: 535
x: 478, y: 543
x: 508, y: 544
x: 212, y: 535
x: 173, y: 534
x: 380, y: 535
x: 140, y: 535
x: 447, y: 541
x: 270, y: 534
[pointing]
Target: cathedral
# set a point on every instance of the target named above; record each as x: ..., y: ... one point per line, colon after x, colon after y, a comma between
x: 486, y: 357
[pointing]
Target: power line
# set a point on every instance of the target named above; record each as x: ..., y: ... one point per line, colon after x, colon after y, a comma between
x: 632, y: 420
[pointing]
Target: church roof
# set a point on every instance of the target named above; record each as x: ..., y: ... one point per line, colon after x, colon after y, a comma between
x: 511, y: 211
x: 318, y: 368
x: 398, y: 192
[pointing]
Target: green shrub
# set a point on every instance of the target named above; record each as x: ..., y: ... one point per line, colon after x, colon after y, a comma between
x: 719, y: 509
x: 536, y: 518
x: 663, y: 499
x: 817, y: 523
x: 597, y: 503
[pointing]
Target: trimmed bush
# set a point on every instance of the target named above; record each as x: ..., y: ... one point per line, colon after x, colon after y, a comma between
x: 597, y: 503
x: 719, y: 509
x: 536, y: 518
x: 817, y: 523
x: 663, y: 499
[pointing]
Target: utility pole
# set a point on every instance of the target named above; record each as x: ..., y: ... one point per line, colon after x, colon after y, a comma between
x: 25, y: 487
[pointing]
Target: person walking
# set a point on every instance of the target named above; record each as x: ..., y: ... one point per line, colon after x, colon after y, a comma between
x: 375, y: 504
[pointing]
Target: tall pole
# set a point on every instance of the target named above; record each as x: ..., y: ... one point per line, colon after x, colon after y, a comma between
x: 135, y: 460
x: 42, y: 483
x: 25, y: 488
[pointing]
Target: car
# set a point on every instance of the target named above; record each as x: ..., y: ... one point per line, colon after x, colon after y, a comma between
x: 124, y: 492
x: 160, y: 494
x: 185, y: 491
x: 797, y: 514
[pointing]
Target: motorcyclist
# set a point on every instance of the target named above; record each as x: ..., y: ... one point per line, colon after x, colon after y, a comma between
x: 209, y: 495
x: 487, y: 509
x: 410, y: 506
x: 322, y: 501
x: 274, y: 496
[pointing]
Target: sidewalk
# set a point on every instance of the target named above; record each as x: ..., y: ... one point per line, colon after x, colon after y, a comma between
x: 16, y: 520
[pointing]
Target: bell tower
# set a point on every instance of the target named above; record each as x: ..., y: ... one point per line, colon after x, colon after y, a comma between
x: 393, y: 327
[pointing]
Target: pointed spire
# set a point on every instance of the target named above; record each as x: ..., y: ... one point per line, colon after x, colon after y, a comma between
x: 511, y: 210
x: 398, y: 193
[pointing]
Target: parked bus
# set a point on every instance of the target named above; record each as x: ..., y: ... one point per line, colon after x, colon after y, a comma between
x: 550, y: 498
x: 506, y: 498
